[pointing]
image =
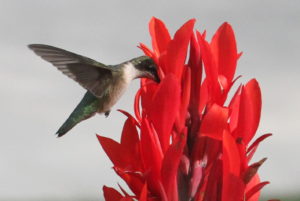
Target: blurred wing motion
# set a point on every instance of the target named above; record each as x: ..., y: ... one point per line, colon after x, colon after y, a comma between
x: 89, y: 73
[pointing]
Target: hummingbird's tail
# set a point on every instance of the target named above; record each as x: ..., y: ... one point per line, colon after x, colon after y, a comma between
x: 87, y: 107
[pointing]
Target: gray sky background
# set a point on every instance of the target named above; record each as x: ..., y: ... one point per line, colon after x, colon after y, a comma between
x: 36, y: 99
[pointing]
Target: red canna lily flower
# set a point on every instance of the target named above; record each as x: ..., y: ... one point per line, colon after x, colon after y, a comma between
x: 184, y: 142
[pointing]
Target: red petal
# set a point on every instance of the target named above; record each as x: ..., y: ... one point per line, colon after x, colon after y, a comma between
x: 251, y: 150
x: 177, y: 49
x: 147, y: 94
x: 146, y: 50
x: 250, y: 108
x: 134, y: 121
x: 210, y: 66
x: 160, y: 35
x: 131, y: 145
x: 214, y: 122
x: 196, y: 178
x: 130, y: 137
x: 232, y: 188
x: 137, y: 99
x: 231, y: 154
x: 185, y: 97
x: 255, y: 190
x: 252, y: 170
x: 143, y: 195
x: 203, y: 97
x: 224, y: 49
x: 113, y: 150
x: 252, y: 90
x: 122, y: 156
x: 234, y: 107
x: 195, y: 62
x: 164, y: 109
x: 258, y: 140
x: 134, y: 180
x: 110, y: 194
x: 152, y: 155
x: 170, y: 167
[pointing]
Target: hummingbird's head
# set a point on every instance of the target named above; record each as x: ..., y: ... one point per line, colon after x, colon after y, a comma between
x: 146, y: 68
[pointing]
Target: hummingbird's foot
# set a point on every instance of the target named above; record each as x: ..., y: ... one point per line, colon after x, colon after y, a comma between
x: 107, y: 113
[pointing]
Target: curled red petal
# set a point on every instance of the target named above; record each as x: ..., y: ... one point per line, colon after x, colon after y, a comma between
x: 137, y: 99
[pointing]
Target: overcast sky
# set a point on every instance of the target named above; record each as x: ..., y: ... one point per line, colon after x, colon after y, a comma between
x: 36, y: 99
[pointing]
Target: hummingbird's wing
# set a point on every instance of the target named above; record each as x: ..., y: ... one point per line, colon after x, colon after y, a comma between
x: 90, y: 74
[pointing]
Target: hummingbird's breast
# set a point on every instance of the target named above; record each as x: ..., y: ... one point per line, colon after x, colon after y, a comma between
x: 117, y: 88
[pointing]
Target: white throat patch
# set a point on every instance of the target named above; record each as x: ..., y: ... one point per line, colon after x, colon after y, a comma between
x: 130, y: 72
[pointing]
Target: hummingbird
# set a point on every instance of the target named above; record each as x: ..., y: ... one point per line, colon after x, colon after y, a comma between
x: 105, y: 84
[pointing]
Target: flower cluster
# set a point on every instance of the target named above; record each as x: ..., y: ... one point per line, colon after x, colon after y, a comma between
x: 185, y: 142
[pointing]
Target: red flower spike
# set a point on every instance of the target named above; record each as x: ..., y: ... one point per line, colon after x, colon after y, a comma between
x: 189, y: 145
